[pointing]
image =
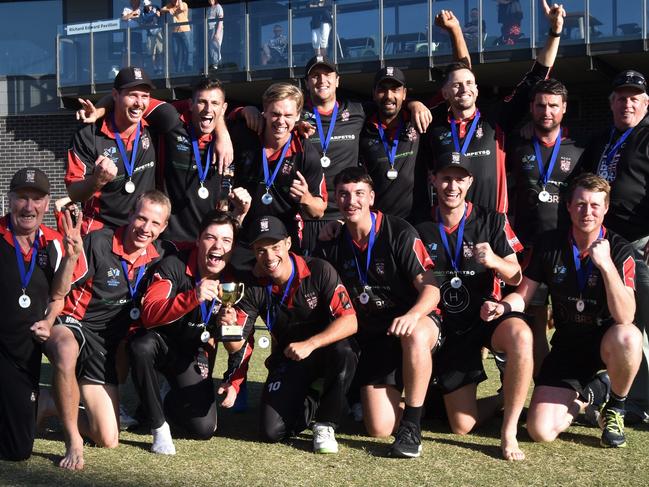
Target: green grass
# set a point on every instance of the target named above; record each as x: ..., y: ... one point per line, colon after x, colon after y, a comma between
x: 235, y: 457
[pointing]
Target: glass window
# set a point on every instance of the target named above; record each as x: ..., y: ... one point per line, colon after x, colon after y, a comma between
x: 233, y: 47
x: 508, y: 23
x: 573, y: 25
x: 615, y: 19
x: 358, y: 30
x: 268, y: 34
x: 312, y: 30
x: 405, y: 28
x: 441, y: 43
x: 27, y: 33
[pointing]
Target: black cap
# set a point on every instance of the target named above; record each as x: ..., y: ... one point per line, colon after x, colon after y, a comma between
x: 269, y: 227
x: 320, y: 61
x: 630, y: 79
x: 452, y: 159
x: 389, y: 73
x: 132, y: 76
x: 30, y: 178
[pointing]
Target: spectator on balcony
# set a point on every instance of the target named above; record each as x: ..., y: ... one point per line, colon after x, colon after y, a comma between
x: 215, y: 34
x: 275, y: 51
x: 510, y: 14
x: 321, y: 21
x: 471, y: 29
x: 150, y: 20
x: 181, y: 34
x: 131, y: 15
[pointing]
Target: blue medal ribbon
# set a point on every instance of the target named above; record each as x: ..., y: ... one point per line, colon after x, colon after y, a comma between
x: 610, y: 153
x: 269, y: 292
x: 390, y: 148
x: 544, y: 175
x: 324, y: 141
x: 469, y: 136
x: 268, y: 180
x: 140, y: 273
x: 202, y: 169
x: 205, y: 314
x: 455, y: 260
x: 25, y: 275
x: 582, y: 273
x: 129, y: 166
x: 362, y: 273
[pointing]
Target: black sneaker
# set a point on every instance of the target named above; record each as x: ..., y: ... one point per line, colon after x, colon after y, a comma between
x: 407, y: 441
x: 597, y: 392
x: 611, y: 420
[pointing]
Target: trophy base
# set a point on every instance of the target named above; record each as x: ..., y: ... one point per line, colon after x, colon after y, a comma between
x: 231, y: 333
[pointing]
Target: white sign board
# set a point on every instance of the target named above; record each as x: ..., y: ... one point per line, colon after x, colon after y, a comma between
x: 97, y: 26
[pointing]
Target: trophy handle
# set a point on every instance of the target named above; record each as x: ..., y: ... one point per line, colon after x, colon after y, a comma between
x: 242, y: 288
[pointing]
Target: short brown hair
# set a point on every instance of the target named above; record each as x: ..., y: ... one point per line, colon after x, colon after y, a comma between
x: 219, y: 217
x: 355, y: 174
x: 154, y: 196
x: 549, y: 86
x: 589, y: 182
x: 282, y: 91
x: 207, y: 84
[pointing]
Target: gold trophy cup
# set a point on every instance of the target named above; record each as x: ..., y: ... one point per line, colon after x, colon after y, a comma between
x: 230, y: 293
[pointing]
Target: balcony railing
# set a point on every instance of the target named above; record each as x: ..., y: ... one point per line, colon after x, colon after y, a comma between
x: 263, y: 36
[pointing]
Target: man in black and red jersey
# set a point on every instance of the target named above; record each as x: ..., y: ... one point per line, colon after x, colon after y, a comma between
x: 620, y: 154
x: 36, y: 278
x: 391, y: 152
x: 385, y: 266
x: 112, y: 161
x: 180, y: 305
x: 273, y: 166
x: 310, y: 317
x: 458, y: 125
x: 541, y: 169
x: 591, y: 275
x: 472, y: 249
x: 103, y: 303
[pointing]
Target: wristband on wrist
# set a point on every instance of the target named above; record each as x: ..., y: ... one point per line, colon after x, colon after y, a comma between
x: 553, y: 34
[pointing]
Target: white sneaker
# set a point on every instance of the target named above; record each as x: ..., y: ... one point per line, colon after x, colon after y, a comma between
x: 126, y: 421
x: 324, y: 440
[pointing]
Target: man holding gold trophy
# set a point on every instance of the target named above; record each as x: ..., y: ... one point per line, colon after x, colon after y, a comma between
x: 190, y: 295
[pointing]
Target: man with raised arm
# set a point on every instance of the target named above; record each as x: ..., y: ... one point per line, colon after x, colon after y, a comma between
x: 590, y: 272
x: 473, y: 248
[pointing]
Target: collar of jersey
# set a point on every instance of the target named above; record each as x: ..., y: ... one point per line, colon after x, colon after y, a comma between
x: 571, y: 239
x: 469, y: 209
x: 293, y: 149
x: 404, y: 114
x: 44, y: 234
x: 309, y: 106
x: 379, y: 220
x: 105, y: 129
x: 145, y: 257
x: 301, y: 272
x: 204, y: 139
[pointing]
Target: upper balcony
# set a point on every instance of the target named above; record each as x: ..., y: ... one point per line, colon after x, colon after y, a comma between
x: 365, y: 35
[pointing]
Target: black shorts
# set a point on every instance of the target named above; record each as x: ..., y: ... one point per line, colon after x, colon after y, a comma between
x: 459, y: 359
x: 572, y: 363
x: 381, y: 361
x: 96, y: 359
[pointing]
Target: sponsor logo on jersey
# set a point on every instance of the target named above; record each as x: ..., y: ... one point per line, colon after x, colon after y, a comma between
x: 479, y: 153
x: 593, y: 279
x: 560, y: 272
x: 113, y: 277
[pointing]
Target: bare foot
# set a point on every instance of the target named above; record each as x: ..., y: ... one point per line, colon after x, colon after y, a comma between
x: 510, y: 450
x: 73, y: 459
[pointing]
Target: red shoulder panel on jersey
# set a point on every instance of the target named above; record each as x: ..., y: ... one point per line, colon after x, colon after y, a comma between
x: 629, y: 272
x: 422, y: 254
x: 341, y: 304
x: 514, y: 243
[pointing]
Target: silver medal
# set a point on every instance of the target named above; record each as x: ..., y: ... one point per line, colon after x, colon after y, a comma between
x: 263, y: 342
x: 364, y: 298
x: 134, y: 313
x: 24, y: 301
x: 203, y: 192
x: 544, y: 196
x: 129, y: 187
x: 325, y: 161
x: 205, y: 336
x: 267, y: 198
x: 580, y: 305
x: 392, y: 173
x: 456, y: 282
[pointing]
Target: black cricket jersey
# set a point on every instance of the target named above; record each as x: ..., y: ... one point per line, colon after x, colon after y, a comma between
x: 343, y: 146
x: 249, y: 174
x: 486, y: 151
x: 110, y: 205
x: 408, y: 195
x: 552, y: 263
x: 316, y: 297
x: 461, y: 306
x: 628, y: 175
x: 100, y: 298
x: 398, y: 256
x: 171, y: 307
x: 17, y: 343
x: 177, y: 171
x: 531, y: 216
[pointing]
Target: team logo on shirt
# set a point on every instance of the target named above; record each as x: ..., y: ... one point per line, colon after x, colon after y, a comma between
x: 380, y: 268
x: 445, y: 138
x: 43, y: 258
x: 311, y: 300
x: 287, y: 167
x: 344, y: 116
x: 111, y: 153
x: 113, y: 277
x: 566, y: 162
x: 146, y: 142
x: 479, y: 133
x: 560, y: 272
x: 528, y: 161
x: 411, y: 133
x: 467, y: 249
x: 592, y: 279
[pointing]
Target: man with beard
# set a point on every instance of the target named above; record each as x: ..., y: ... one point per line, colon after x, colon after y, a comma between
x: 103, y: 303
x: 472, y: 248
x: 179, y: 311
x: 541, y: 168
x: 590, y: 273
x: 390, y: 151
x: 458, y: 125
